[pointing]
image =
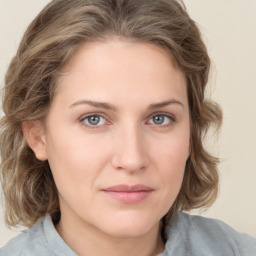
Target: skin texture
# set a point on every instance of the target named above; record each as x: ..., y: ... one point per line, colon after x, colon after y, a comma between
x: 128, y: 140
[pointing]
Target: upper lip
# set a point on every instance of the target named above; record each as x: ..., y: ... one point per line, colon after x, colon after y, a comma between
x: 128, y: 188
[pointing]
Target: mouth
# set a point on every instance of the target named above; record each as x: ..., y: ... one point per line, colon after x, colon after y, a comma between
x: 128, y: 194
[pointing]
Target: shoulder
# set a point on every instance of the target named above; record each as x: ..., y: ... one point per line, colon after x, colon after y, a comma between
x: 30, y: 242
x: 205, y: 236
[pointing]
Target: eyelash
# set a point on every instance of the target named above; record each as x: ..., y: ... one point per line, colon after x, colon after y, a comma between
x: 171, y: 118
x: 84, y: 118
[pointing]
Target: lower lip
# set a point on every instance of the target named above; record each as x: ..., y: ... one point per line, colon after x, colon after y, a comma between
x: 128, y: 197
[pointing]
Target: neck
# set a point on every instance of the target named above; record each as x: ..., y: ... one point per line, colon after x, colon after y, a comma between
x: 85, y: 239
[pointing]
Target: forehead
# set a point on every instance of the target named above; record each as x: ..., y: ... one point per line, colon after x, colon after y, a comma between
x: 115, y: 50
x: 125, y: 69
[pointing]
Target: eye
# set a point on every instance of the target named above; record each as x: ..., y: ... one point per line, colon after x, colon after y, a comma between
x: 94, y: 120
x: 161, y: 119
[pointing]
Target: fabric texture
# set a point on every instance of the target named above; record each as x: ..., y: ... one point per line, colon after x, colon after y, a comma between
x: 187, y: 235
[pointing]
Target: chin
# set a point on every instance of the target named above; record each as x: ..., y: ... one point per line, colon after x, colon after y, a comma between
x: 131, y: 225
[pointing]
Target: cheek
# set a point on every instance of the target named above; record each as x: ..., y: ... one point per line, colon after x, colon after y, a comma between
x: 172, y: 172
x: 75, y: 162
x: 170, y: 159
x: 169, y: 163
x: 172, y: 151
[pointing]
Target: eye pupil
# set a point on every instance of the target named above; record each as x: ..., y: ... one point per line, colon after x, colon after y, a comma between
x: 93, y: 120
x: 158, y: 119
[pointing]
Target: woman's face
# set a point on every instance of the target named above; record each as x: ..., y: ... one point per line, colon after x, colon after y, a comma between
x: 117, y: 137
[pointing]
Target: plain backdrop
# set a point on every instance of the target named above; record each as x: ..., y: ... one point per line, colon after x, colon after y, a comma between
x: 229, y: 29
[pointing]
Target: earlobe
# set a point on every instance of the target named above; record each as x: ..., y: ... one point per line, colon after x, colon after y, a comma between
x: 34, y: 133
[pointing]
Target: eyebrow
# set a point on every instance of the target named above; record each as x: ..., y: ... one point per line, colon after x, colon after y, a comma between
x: 111, y: 107
x: 94, y: 104
x: 165, y: 103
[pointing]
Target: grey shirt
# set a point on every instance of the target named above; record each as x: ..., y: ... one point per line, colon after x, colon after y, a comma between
x: 187, y: 235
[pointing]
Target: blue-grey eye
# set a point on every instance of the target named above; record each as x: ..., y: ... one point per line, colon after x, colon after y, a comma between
x: 160, y: 120
x: 94, y: 120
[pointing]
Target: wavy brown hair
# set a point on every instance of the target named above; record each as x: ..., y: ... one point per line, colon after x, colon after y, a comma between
x: 47, y: 46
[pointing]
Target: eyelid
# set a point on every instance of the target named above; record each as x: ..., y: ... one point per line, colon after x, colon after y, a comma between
x: 100, y: 114
x: 83, y: 117
x: 171, y: 116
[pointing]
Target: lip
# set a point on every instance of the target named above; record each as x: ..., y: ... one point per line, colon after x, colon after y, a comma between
x: 128, y: 194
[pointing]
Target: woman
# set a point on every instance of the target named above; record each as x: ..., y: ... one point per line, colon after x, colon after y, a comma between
x: 101, y: 141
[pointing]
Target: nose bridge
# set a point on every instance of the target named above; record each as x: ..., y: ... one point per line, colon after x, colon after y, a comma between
x: 129, y: 148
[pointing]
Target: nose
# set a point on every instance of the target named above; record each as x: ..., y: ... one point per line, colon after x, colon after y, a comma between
x: 129, y: 150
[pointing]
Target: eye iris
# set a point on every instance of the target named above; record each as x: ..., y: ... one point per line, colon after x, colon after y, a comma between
x: 93, y: 120
x: 158, y: 119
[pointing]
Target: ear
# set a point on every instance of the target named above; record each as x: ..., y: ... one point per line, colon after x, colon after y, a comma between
x: 34, y: 132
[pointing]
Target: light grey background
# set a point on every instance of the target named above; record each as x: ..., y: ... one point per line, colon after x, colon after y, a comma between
x: 229, y: 28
